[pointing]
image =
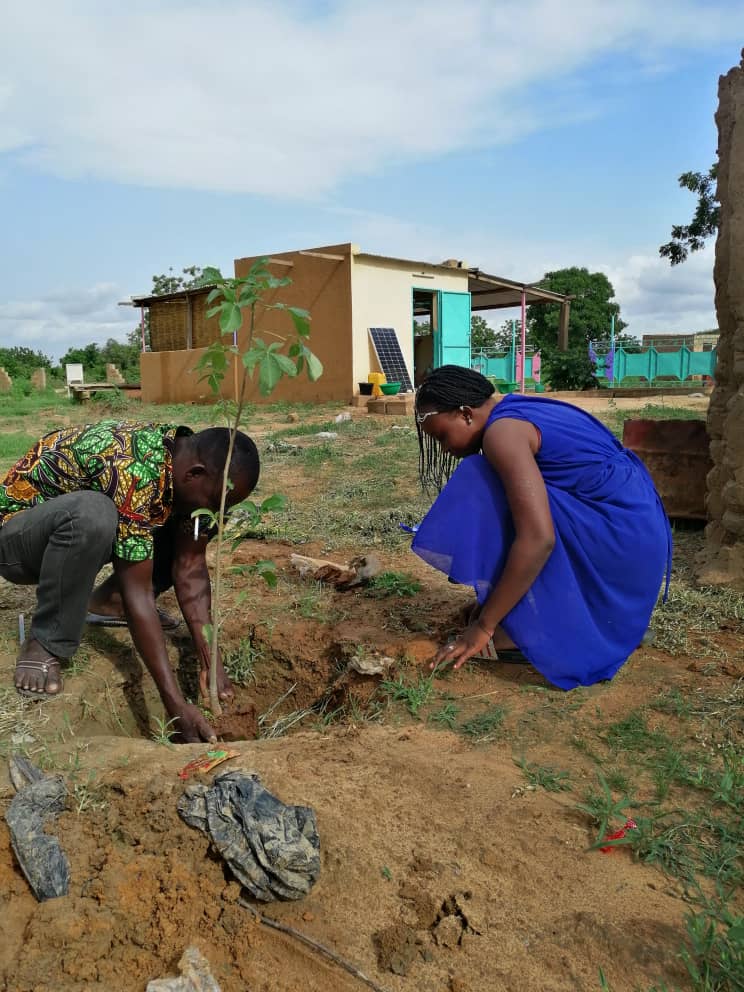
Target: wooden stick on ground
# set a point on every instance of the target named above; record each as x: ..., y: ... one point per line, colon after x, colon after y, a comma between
x: 321, y: 948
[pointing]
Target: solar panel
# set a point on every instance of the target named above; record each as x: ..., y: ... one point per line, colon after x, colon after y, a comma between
x: 390, y: 357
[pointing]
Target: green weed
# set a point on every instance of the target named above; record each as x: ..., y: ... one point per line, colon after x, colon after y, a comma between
x: 632, y: 734
x: 413, y: 696
x: 546, y: 777
x: 392, y: 584
x: 446, y: 717
x: 484, y: 727
x: 240, y: 661
x: 603, y: 809
x: 164, y: 731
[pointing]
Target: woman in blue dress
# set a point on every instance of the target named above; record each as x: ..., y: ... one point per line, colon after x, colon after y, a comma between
x: 557, y: 527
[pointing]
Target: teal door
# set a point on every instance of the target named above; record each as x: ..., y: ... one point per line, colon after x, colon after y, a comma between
x: 452, y: 342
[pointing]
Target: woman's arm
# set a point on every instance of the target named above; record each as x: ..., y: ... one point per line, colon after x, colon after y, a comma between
x: 510, y: 446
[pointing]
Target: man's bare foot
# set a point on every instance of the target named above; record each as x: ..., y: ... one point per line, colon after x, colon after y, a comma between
x: 37, y: 673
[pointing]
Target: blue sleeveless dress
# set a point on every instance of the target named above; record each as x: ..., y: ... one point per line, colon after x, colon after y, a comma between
x: 589, y: 607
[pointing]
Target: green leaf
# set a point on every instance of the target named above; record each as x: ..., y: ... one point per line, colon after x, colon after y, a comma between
x: 269, y: 373
x: 288, y: 367
x: 275, y: 503
x: 217, y: 291
x: 208, y: 516
x: 314, y: 366
x: 211, y: 274
x: 231, y: 318
x: 301, y: 321
x: 267, y: 571
x: 214, y: 310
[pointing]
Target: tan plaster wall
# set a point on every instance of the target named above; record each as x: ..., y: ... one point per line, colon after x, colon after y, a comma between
x: 382, y: 296
x: 169, y: 377
x: 323, y: 287
x: 723, y: 559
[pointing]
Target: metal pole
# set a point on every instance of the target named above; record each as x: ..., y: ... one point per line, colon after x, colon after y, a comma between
x: 612, y: 346
x: 142, y: 326
x: 514, y: 350
x: 524, y: 341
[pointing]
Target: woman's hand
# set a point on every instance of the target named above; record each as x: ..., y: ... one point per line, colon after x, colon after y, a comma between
x: 470, y: 643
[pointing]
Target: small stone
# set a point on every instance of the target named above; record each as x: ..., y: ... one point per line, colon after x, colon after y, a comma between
x: 293, y: 418
x: 308, y: 917
x: 448, y: 932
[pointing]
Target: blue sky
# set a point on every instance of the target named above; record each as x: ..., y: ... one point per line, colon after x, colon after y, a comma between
x: 519, y: 137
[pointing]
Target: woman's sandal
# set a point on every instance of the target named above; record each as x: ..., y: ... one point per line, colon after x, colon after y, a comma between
x: 509, y: 655
x: 44, y: 668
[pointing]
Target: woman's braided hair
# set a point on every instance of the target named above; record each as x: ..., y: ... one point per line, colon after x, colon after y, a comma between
x: 447, y: 388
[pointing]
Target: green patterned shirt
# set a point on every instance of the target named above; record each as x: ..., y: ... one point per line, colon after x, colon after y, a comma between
x: 132, y: 463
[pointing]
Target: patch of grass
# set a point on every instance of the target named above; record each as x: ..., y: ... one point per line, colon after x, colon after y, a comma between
x: 633, y: 734
x: 240, y: 661
x: 672, y: 701
x: 446, y: 717
x: 484, y: 727
x: 319, y: 454
x: 693, y: 610
x: 14, y: 445
x: 546, y: 777
x: 414, y: 696
x: 392, y: 584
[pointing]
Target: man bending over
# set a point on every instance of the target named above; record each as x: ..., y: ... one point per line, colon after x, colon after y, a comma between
x: 120, y: 493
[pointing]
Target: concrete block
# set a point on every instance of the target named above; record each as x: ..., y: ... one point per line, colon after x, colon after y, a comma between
x: 400, y: 406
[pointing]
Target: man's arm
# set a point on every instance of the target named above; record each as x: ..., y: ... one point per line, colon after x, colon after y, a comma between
x: 135, y: 584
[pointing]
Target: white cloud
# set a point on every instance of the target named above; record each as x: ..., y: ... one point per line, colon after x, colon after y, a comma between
x: 656, y: 298
x: 270, y: 98
x: 66, y: 320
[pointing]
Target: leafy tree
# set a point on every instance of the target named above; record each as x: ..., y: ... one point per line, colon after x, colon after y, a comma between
x: 592, y: 307
x: 687, y: 238
x: 569, y: 369
x: 20, y: 363
x: 481, y: 333
x: 192, y: 277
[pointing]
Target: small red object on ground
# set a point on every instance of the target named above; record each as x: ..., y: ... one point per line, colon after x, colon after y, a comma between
x: 205, y: 762
x: 618, y: 835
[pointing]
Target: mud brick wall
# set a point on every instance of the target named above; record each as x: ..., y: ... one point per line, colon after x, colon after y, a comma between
x: 723, y: 558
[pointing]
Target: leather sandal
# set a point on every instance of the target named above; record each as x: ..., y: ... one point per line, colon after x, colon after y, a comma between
x: 43, y: 668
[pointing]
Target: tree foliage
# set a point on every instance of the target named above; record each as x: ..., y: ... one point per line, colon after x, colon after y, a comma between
x: 484, y: 336
x: 94, y: 358
x: 592, y: 308
x: 20, y: 363
x: 569, y: 369
x: 192, y: 277
x: 687, y: 238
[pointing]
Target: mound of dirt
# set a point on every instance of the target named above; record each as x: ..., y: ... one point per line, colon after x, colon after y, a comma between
x: 438, y: 873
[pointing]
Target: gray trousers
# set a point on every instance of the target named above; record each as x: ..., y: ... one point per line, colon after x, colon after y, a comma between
x: 59, y: 546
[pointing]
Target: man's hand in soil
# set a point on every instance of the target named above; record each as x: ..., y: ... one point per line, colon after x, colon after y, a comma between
x: 135, y: 582
x: 191, y: 725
